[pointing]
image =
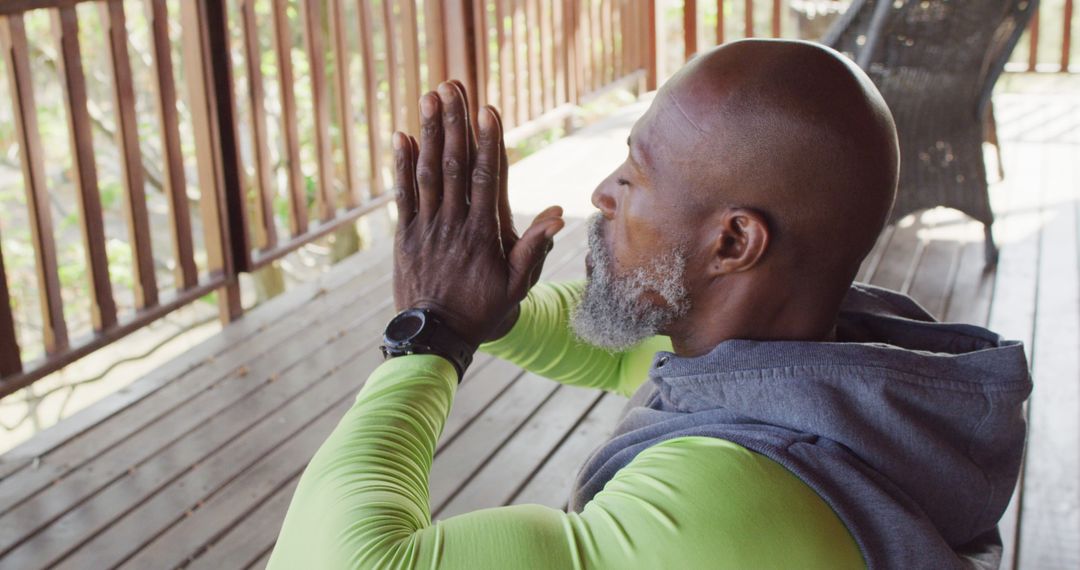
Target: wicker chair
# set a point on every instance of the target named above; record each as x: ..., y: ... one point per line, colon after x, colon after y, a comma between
x: 936, y: 62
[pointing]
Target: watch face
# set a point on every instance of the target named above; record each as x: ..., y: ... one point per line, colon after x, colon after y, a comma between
x: 405, y: 326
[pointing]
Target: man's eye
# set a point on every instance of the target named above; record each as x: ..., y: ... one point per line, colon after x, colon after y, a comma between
x: 622, y: 182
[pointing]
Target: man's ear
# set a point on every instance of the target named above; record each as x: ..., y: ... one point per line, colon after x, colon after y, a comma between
x: 740, y: 240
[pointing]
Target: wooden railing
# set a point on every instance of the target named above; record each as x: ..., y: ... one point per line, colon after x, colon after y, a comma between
x: 535, y: 60
x: 278, y: 160
x: 108, y: 324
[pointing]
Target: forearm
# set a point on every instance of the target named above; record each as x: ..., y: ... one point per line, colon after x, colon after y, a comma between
x: 689, y: 503
x: 541, y: 341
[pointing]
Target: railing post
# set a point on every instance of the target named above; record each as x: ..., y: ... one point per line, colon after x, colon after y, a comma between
x: 206, y: 58
x: 719, y: 22
x: 460, y: 48
x: 690, y: 29
x: 1066, y: 35
x: 1033, y: 41
x: 10, y: 355
x: 653, y: 21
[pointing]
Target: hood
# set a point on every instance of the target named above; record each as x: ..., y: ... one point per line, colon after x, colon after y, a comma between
x: 934, y: 408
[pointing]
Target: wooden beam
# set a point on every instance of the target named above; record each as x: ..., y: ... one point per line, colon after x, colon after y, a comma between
x: 66, y: 30
x: 206, y: 60
x: 748, y: 18
x: 433, y: 21
x: 311, y: 11
x: 371, y: 99
x: 174, y: 180
x: 719, y: 22
x: 549, y: 80
x: 18, y: 7
x: 1066, y: 35
x: 346, y: 116
x: 652, y: 57
x: 13, y: 43
x: 517, y: 42
x: 506, y: 63
x: 596, y: 39
x: 392, y: 66
x: 131, y: 160
x: 480, y: 28
x: 298, y: 213
x: 690, y: 39
x: 410, y: 53
x: 1033, y: 41
x: 569, y: 32
x: 10, y: 355
x: 535, y: 73
x: 460, y: 48
x: 265, y: 230
x: 776, y: 18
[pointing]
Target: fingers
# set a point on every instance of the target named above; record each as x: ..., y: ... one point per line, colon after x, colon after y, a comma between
x: 506, y: 217
x: 429, y: 170
x: 455, y: 151
x: 471, y: 135
x: 529, y: 253
x: 484, y: 188
x: 404, y: 179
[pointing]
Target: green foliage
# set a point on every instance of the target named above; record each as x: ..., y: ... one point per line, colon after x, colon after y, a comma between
x: 110, y: 193
x: 210, y: 298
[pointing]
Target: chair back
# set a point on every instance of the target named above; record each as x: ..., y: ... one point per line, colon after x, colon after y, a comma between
x: 950, y: 50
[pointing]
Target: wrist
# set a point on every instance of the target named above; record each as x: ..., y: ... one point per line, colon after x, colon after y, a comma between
x: 422, y: 330
x: 506, y: 325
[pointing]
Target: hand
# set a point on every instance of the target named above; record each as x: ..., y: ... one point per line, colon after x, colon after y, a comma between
x: 456, y: 250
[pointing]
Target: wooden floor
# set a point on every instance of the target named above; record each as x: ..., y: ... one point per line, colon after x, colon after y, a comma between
x: 194, y: 465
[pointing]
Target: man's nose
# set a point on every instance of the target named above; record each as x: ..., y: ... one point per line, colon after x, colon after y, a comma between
x: 603, y: 199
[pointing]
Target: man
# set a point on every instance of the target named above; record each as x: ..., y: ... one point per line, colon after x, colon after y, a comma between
x: 782, y: 417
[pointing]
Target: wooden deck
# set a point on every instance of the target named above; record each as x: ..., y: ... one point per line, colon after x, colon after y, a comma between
x: 195, y: 464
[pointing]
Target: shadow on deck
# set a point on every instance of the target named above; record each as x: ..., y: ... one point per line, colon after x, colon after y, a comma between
x: 195, y: 463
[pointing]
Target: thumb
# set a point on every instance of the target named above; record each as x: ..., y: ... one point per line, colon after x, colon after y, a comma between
x: 529, y: 253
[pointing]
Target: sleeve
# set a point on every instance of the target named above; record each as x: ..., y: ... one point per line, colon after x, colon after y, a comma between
x: 542, y: 342
x: 692, y: 502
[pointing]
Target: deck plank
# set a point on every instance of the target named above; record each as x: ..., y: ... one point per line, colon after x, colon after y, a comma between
x: 220, y: 346
x: 1050, y: 512
x: 899, y: 258
x: 201, y: 427
x: 233, y: 503
x: 551, y: 483
x: 469, y: 451
x: 244, y: 544
x: 507, y: 470
x: 934, y: 276
x: 1012, y: 311
x: 973, y: 289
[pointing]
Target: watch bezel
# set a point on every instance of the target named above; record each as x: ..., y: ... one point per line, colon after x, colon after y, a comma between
x: 414, y: 336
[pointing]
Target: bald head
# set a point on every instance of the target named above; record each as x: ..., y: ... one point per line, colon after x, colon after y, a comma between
x: 793, y: 130
x: 757, y: 181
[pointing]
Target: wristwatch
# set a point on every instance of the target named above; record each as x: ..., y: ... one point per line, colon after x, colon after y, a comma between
x: 421, y: 331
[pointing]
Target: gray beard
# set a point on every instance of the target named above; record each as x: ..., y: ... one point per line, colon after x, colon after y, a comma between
x: 613, y: 313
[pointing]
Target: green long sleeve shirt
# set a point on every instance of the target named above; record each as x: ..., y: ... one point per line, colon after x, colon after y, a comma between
x: 690, y: 502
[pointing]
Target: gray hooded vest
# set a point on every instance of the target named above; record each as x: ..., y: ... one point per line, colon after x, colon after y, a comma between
x: 910, y: 429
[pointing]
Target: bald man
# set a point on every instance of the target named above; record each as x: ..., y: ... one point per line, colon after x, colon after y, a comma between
x: 782, y: 416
